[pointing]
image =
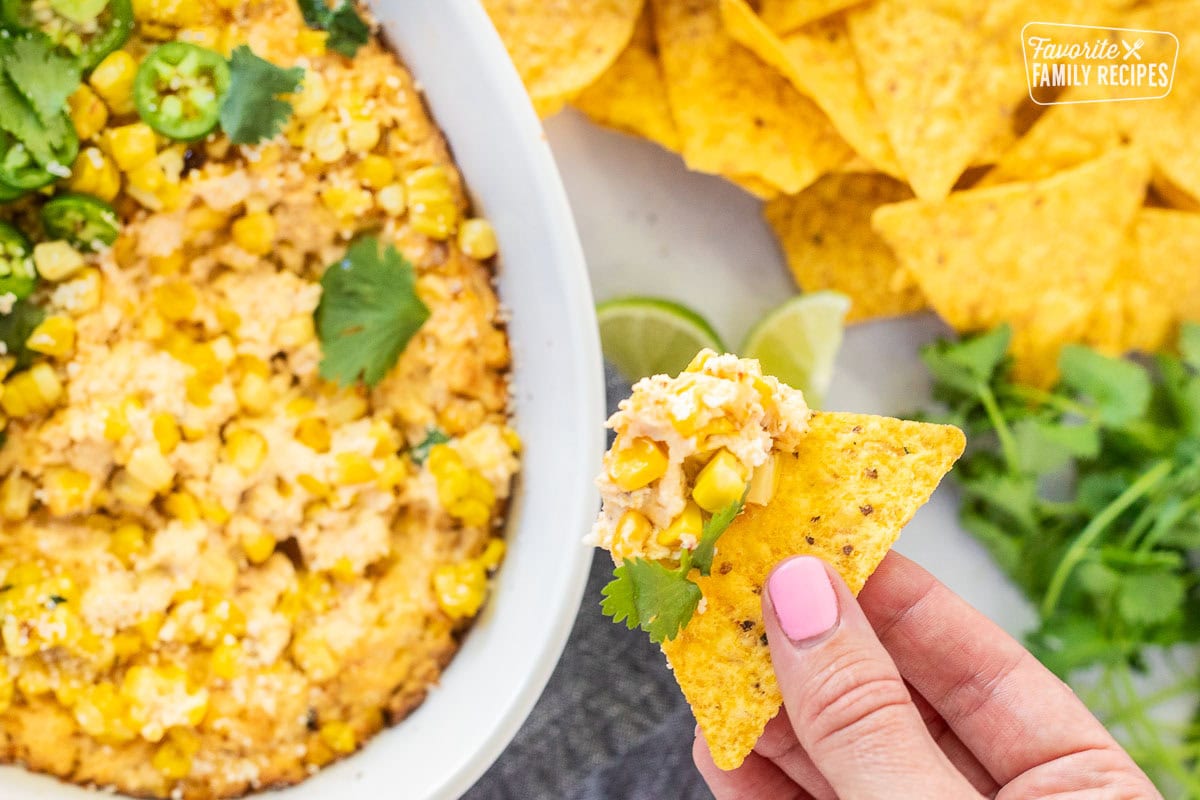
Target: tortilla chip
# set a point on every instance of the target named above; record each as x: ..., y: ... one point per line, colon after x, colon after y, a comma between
x: 786, y: 16
x: 631, y: 95
x: 942, y: 81
x: 561, y: 47
x: 736, y: 115
x: 755, y: 186
x: 819, y: 60
x: 825, y: 232
x: 854, y: 483
x: 1036, y: 255
x: 1155, y: 287
x: 1166, y: 127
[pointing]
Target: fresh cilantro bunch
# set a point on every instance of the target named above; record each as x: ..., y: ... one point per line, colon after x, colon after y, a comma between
x: 661, y: 601
x: 1088, y: 497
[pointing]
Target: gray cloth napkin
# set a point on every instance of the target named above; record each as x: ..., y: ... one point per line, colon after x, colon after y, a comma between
x: 611, y: 723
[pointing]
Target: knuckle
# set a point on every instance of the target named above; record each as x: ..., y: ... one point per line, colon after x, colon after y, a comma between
x: 1097, y: 771
x: 973, y: 691
x: 854, y: 697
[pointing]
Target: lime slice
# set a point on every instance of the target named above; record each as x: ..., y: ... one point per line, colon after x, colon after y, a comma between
x: 798, y: 342
x: 646, y: 336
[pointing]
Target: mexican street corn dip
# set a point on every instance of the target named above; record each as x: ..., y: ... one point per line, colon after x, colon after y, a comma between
x: 690, y: 446
x: 254, y: 393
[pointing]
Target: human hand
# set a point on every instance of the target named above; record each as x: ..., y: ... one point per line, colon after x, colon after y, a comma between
x: 909, y: 692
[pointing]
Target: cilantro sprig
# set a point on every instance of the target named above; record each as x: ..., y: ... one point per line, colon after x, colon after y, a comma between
x: 252, y: 110
x: 661, y: 601
x: 1088, y: 496
x: 347, y: 30
x: 369, y: 311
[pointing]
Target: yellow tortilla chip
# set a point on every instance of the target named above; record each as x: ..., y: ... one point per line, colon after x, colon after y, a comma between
x: 819, y: 60
x: 1064, y: 136
x: 1036, y: 255
x: 854, y: 483
x: 631, y: 95
x: 942, y: 80
x: 755, y: 186
x: 786, y: 16
x: 736, y: 115
x: 1166, y: 127
x: 825, y: 232
x: 1154, y: 288
x: 562, y: 46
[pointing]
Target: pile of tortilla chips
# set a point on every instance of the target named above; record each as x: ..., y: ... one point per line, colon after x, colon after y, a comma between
x: 900, y: 154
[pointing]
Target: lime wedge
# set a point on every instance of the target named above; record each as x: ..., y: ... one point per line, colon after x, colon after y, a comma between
x: 798, y: 342
x: 646, y: 336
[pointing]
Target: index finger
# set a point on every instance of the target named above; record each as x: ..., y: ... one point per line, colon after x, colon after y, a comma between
x: 1012, y: 712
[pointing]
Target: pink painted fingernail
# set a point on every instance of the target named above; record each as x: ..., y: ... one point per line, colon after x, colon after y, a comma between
x: 803, y: 597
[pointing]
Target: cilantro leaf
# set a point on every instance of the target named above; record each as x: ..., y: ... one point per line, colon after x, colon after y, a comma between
x: 20, y: 119
x: 252, y: 111
x: 1120, y: 388
x: 420, y: 451
x: 1189, y: 344
x: 702, y: 556
x: 347, y: 30
x: 15, y: 328
x: 369, y: 311
x: 646, y: 594
x: 1150, y: 598
x: 966, y: 364
x: 1045, y: 445
x: 42, y: 75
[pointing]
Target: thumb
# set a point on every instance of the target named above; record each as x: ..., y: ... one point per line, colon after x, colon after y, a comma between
x: 850, y: 708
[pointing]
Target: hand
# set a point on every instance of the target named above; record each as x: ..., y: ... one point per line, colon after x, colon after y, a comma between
x: 909, y: 692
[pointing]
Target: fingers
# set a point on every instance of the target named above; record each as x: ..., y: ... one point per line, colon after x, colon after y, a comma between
x: 959, y: 754
x: 780, y: 746
x: 847, y: 703
x: 1012, y: 712
x: 756, y: 777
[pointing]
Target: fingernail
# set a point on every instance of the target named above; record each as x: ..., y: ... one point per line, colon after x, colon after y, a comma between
x: 804, y: 599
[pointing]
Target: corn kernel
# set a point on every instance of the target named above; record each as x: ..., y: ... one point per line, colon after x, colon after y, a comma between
x: 16, y: 498
x: 460, y: 588
x: 347, y: 406
x: 128, y: 542
x: 493, y: 554
x: 326, y: 141
x: 34, y: 391
x: 131, y: 146
x: 80, y: 294
x: 375, y: 171
x: 637, y: 463
x: 56, y: 261
x: 391, y: 199
x: 313, y: 485
x: 54, y: 336
x: 94, y: 173
x: 295, y: 331
x: 394, y: 473
x: 130, y: 491
x: 147, y: 466
x: 113, y: 78
x: 630, y: 535
x: 314, y: 656
x: 245, y: 449
x: 258, y: 547
x: 173, y: 758
x: 690, y: 523
x: 312, y: 97
x: 362, y: 135
x: 722, y: 481
x: 224, y: 661
x: 339, y: 736
x: 183, y: 507
x: 88, y: 112
x: 354, y: 468
x: 310, y: 42
x: 764, y: 481
x: 166, y: 432
x: 430, y: 196
x: 254, y: 393
x: 175, y: 300
x: 314, y: 434
x: 66, y: 490
x: 347, y: 202
x: 255, y: 233
x: 477, y: 239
